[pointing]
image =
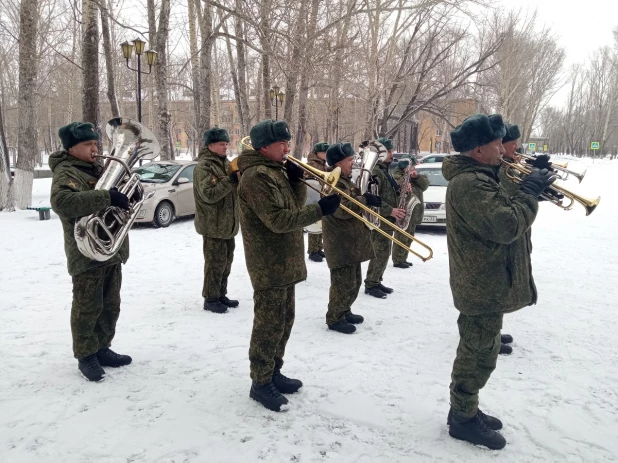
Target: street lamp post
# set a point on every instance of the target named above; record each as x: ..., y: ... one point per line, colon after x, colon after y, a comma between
x: 276, y: 99
x: 151, y: 57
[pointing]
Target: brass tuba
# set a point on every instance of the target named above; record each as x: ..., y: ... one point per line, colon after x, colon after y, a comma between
x: 371, y: 152
x: 99, y: 236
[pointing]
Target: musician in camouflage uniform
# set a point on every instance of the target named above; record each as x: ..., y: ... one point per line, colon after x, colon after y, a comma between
x: 388, y: 191
x: 347, y: 241
x: 316, y: 159
x: 96, y: 285
x: 272, y: 216
x: 489, y: 260
x: 216, y: 217
x: 418, y: 184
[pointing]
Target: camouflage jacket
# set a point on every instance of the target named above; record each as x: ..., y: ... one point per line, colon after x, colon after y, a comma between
x: 419, y: 184
x: 216, y: 198
x: 347, y: 240
x: 272, y: 218
x: 314, y: 161
x: 72, y: 197
x: 386, y: 191
x: 488, y: 244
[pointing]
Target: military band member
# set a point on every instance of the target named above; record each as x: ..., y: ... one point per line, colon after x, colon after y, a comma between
x: 316, y: 159
x: 272, y: 216
x: 489, y: 260
x: 216, y: 217
x: 418, y: 183
x: 388, y: 191
x: 347, y: 241
x: 96, y: 285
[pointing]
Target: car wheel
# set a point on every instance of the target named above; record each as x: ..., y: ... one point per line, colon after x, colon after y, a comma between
x: 164, y: 215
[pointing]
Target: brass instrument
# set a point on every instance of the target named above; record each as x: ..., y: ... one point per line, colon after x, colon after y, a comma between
x: 329, y: 181
x: 407, y: 201
x: 559, y: 168
x: 550, y: 194
x: 368, y: 159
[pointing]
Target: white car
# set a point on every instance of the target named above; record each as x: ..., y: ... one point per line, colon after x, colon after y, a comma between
x: 435, y: 196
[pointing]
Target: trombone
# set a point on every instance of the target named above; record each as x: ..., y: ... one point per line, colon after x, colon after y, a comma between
x: 551, y: 193
x: 330, y: 179
x: 559, y: 168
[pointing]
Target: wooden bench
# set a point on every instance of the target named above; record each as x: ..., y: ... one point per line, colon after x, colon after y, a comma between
x: 43, y: 212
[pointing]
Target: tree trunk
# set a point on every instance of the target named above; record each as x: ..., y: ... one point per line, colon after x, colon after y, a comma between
x: 5, y: 163
x: 242, y: 72
x: 292, y: 80
x: 265, y: 21
x: 234, y: 73
x: 109, y: 61
x: 205, y: 67
x: 90, y: 65
x: 195, y: 63
x: 160, y: 72
x: 215, y: 93
x: 27, y: 133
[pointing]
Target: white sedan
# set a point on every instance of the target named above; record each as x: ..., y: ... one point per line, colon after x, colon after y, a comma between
x: 435, y: 196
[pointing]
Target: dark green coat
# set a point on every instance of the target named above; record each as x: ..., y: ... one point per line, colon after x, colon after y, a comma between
x: 216, y: 198
x: 72, y: 197
x: 387, y: 192
x: 419, y: 185
x: 272, y: 218
x: 314, y: 161
x: 347, y: 240
x: 488, y: 244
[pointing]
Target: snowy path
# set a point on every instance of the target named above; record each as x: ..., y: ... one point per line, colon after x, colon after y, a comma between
x: 380, y: 395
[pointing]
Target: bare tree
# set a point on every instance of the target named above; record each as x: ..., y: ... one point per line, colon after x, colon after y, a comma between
x: 109, y: 61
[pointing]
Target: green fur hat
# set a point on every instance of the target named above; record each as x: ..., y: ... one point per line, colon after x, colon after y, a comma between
x: 215, y: 135
x: 387, y: 142
x: 77, y: 132
x: 338, y: 152
x: 320, y: 147
x: 403, y: 163
x: 477, y: 130
x: 267, y: 132
x: 512, y: 133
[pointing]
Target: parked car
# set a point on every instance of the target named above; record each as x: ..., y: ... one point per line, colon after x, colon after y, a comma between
x: 172, y: 184
x: 434, y: 158
x: 435, y: 196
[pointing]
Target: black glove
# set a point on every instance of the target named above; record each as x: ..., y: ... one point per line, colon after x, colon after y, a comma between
x: 295, y: 173
x: 373, y: 200
x: 537, y: 182
x: 118, y: 199
x: 329, y: 204
x: 554, y: 194
x: 234, y: 177
x: 540, y: 162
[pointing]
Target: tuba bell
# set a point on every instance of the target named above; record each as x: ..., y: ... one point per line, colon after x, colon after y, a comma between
x: 370, y: 152
x: 99, y: 236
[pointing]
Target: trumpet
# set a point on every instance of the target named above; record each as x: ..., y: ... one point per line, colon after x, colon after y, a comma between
x: 329, y: 181
x: 560, y: 169
x: 553, y: 191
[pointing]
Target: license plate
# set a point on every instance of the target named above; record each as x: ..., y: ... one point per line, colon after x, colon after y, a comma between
x: 430, y: 219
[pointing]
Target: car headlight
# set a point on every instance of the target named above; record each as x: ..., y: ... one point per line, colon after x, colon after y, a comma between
x: 442, y: 207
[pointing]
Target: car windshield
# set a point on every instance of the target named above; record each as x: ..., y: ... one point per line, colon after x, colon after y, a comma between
x: 435, y: 176
x: 156, y: 173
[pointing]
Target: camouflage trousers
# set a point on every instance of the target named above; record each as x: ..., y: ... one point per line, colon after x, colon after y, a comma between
x: 218, y: 257
x: 95, y: 309
x: 477, y: 354
x: 273, y: 318
x: 344, y: 285
x: 400, y: 255
x: 315, y: 243
x: 377, y: 265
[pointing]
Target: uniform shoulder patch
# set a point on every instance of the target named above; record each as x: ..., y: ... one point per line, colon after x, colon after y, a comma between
x: 72, y: 183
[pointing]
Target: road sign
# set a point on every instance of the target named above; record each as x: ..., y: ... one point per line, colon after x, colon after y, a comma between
x: 594, y: 145
x: 545, y: 148
x: 532, y: 146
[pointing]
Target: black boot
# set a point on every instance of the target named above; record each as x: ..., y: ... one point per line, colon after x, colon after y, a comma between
x: 353, y: 318
x: 385, y: 289
x: 228, y: 302
x: 375, y: 292
x: 505, y: 349
x: 506, y: 338
x: 91, y: 368
x: 316, y: 257
x: 343, y: 327
x: 491, y: 421
x: 268, y: 395
x: 215, y: 305
x: 401, y: 265
x: 409, y: 264
x: 475, y: 431
x: 109, y: 358
x: 322, y: 254
x: 286, y: 385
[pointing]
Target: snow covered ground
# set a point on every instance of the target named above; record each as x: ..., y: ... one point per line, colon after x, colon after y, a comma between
x: 380, y: 395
